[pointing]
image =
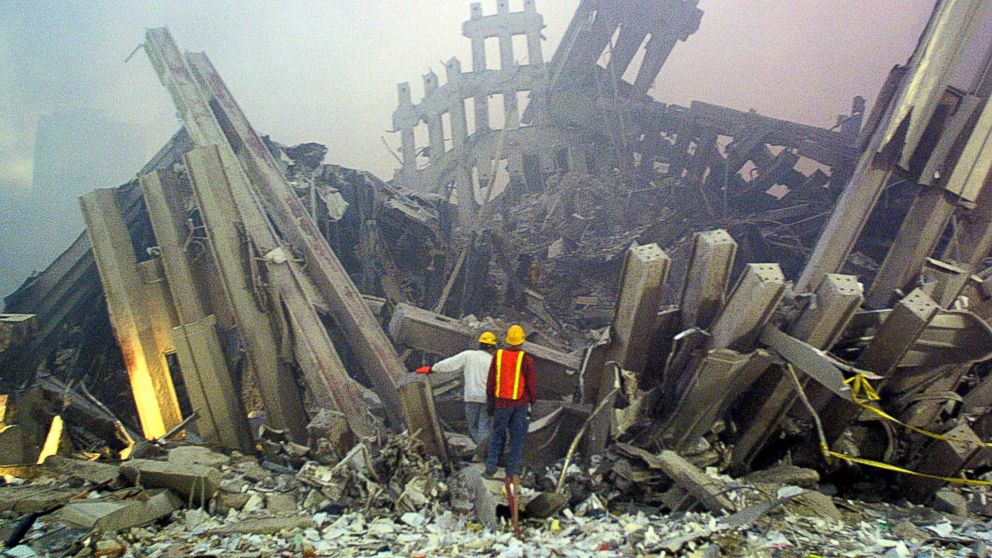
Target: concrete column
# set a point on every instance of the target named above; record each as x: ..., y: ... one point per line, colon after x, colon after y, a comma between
x: 465, y: 192
x: 974, y: 230
x: 478, y: 54
x: 435, y: 131
x: 417, y: 399
x: 644, y: 275
x: 622, y: 53
x: 944, y: 282
x: 534, y: 53
x: 713, y: 385
x: 846, y: 222
x: 481, y: 102
x: 128, y: 303
x: 435, y: 125
x: 943, y: 458
x: 409, y: 147
x: 512, y: 109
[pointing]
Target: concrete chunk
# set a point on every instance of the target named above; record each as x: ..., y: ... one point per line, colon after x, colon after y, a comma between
x: 198, y: 455
x: 31, y: 498
x: 15, y: 446
x: 190, y: 480
x: 117, y: 515
x: 280, y: 504
x: 785, y: 474
x: 90, y: 471
x: 16, y: 328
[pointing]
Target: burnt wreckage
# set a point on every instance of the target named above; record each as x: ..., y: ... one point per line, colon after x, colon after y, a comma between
x: 694, y: 275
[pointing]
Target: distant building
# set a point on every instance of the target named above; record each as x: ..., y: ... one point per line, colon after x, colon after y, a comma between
x: 74, y: 153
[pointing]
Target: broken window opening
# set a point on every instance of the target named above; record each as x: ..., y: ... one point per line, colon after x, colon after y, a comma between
x: 497, y: 112
x: 523, y: 101
x: 604, y: 57
x: 493, y: 61
x: 533, y: 175
x: 630, y: 72
x: 722, y: 142
x: 421, y: 142
x: 521, y: 56
x: 499, y: 181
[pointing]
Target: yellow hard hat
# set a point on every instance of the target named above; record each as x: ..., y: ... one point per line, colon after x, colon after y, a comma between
x: 488, y: 338
x: 515, y: 336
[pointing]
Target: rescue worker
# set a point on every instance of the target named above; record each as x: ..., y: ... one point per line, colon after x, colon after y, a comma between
x: 474, y: 364
x: 511, y: 389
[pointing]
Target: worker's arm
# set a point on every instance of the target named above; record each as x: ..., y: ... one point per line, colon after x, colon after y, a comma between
x: 530, y: 378
x: 491, y: 382
x: 491, y: 388
x: 451, y: 364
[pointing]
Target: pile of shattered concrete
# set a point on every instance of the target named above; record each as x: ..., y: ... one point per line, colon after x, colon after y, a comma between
x: 752, y: 337
x: 389, y: 497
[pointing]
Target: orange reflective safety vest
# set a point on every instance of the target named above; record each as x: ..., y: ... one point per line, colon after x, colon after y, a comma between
x: 509, y: 378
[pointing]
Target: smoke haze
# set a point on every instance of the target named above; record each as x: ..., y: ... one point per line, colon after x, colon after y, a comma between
x: 327, y: 71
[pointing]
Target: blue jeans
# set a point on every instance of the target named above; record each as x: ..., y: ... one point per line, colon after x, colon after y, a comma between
x: 479, y: 423
x: 513, y: 420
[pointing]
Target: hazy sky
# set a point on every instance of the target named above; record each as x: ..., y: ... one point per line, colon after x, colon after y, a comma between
x: 327, y: 71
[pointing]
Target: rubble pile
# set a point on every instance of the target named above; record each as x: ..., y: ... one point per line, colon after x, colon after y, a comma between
x: 744, y: 328
x: 191, y: 501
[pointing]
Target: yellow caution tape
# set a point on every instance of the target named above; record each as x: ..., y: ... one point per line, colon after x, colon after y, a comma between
x: 887, y: 467
x: 860, y: 384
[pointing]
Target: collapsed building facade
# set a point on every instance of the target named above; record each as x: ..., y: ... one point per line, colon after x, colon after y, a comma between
x: 695, y: 275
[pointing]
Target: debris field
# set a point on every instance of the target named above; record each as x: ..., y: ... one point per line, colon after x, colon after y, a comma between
x: 753, y: 337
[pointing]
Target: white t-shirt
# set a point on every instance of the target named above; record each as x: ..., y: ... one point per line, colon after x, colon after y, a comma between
x: 475, y: 366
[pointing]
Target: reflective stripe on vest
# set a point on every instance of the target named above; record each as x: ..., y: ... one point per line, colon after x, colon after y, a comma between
x: 505, y: 391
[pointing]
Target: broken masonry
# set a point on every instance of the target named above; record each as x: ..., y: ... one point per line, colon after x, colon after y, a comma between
x: 707, y: 287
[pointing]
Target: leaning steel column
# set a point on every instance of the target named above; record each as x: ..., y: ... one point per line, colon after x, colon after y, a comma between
x: 321, y: 367
x: 899, y: 131
x: 895, y: 337
x: 820, y: 324
x: 215, y: 170
x: 128, y: 302
x: 644, y: 273
x: 373, y: 350
x: 258, y: 336
x: 209, y: 382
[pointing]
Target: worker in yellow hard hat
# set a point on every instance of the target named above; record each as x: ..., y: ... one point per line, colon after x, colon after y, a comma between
x: 510, y: 390
x: 474, y: 364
